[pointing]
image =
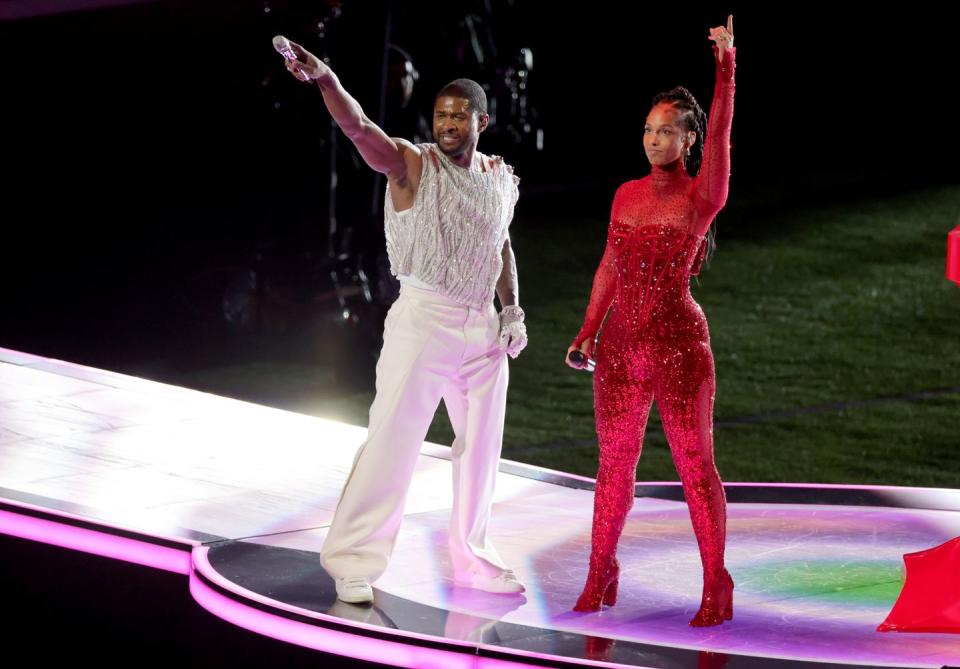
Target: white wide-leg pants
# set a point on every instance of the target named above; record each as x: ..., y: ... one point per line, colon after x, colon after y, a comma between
x: 433, y: 348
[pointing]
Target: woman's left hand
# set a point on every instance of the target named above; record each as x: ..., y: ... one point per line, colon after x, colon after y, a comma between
x: 722, y: 37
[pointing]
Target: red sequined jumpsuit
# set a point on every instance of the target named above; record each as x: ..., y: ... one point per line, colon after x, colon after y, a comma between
x: 656, y: 345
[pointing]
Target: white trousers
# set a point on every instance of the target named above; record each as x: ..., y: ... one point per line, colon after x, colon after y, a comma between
x: 433, y: 348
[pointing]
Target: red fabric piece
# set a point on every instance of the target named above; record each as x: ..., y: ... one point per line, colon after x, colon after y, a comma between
x: 953, y: 255
x: 930, y: 598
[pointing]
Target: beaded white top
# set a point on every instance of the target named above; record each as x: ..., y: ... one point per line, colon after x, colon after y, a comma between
x: 452, y: 236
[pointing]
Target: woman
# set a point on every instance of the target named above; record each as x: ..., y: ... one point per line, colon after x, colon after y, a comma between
x: 655, y: 343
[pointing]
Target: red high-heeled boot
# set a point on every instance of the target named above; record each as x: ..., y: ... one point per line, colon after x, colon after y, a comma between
x: 601, y: 586
x: 716, y: 605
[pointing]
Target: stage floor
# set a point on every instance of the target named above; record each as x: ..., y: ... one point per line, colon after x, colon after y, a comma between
x: 237, y: 498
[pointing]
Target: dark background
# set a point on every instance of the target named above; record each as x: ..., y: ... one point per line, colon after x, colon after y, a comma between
x: 156, y: 151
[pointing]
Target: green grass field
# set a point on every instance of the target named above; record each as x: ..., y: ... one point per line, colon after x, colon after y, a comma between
x: 836, y: 304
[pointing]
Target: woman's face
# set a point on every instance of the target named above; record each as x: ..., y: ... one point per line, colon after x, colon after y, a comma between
x: 664, y: 139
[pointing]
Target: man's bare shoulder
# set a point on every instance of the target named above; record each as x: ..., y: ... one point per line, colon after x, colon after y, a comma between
x: 412, y: 159
x: 407, y: 148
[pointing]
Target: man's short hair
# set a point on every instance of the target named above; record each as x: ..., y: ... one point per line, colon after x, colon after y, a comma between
x: 469, y: 90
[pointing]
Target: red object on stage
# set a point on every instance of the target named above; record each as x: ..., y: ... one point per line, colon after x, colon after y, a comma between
x: 930, y: 598
x: 953, y: 255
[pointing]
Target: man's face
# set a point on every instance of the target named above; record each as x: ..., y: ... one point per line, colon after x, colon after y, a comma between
x: 456, y: 127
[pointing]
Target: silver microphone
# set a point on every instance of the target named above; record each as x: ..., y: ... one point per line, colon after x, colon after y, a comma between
x: 282, y: 45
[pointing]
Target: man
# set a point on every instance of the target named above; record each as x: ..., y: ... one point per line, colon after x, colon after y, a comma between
x: 446, y: 215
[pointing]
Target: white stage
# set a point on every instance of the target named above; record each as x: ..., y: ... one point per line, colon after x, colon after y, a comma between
x: 237, y: 497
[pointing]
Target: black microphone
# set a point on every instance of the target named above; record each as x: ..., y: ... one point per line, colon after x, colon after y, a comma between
x: 577, y: 357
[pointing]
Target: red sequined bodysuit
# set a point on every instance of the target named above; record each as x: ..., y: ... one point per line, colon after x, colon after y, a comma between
x: 656, y: 345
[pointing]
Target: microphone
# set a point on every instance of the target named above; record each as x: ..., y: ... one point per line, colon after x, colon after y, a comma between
x: 577, y: 357
x: 283, y: 47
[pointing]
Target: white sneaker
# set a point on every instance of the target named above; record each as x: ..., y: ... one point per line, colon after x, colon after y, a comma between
x: 506, y: 582
x: 354, y: 590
